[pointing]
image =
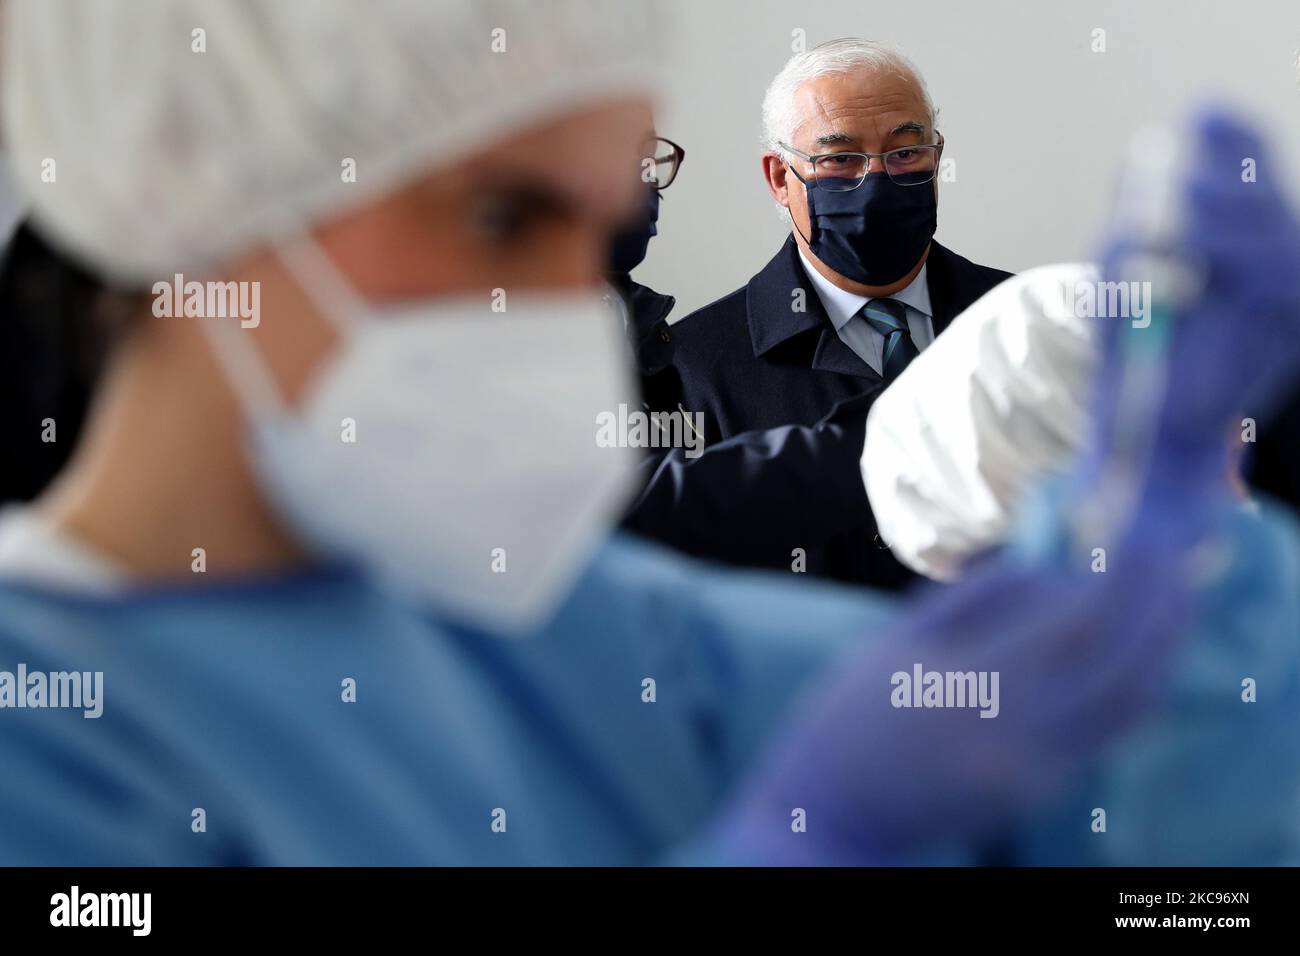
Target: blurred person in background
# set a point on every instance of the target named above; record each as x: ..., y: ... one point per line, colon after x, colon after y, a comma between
x: 649, y: 338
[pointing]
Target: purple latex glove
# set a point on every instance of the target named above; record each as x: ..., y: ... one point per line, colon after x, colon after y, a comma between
x: 1237, y: 341
x: 1079, y: 657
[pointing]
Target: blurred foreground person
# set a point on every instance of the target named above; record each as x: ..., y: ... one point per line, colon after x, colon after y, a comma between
x: 327, y: 580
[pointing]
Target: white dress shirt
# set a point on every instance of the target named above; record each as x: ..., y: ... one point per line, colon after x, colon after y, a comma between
x: 845, y: 312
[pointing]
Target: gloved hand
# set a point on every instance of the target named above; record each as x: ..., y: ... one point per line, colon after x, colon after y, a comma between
x: 1078, y: 658
x: 1236, y: 344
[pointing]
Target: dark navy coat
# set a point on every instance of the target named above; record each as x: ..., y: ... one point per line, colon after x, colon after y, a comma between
x: 751, y: 494
x: 785, y: 405
x: 751, y: 360
x: 650, y: 341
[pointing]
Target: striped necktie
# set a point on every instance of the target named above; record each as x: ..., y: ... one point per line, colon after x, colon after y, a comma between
x: 889, y: 318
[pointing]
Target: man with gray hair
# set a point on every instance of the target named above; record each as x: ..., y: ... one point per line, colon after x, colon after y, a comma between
x: 857, y: 290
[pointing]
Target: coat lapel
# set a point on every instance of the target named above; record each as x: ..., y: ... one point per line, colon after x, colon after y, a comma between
x: 775, y: 321
x: 833, y: 355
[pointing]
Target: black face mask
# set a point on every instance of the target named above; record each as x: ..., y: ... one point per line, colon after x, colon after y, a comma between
x: 628, y: 247
x: 874, y: 234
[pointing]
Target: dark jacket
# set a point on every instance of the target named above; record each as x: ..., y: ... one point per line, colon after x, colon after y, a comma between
x: 753, y: 360
x: 753, y: 494
x: 650, y: 341
x: 785, y: 405
x: 756, y: 497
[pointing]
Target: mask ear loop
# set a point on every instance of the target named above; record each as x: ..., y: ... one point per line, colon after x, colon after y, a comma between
x: 320, y: 279
x: 794, y: 224
x: 246, y: 372
x: 245, y: 369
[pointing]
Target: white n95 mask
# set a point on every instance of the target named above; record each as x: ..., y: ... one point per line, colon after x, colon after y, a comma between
x: 448, y: 448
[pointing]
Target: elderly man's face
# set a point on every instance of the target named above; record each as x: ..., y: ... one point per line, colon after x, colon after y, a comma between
x: 865, y: 111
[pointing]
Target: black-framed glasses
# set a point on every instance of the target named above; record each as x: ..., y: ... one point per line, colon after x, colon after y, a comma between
x: 662, y: 158
x: 842, y: 172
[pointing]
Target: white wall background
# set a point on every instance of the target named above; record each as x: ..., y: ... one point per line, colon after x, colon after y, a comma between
x: 1036, y: 122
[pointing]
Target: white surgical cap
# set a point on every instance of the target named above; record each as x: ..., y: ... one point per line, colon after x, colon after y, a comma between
x: 166, y: 157
x: 997, y: 403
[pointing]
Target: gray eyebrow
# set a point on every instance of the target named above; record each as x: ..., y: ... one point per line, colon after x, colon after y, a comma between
x: 834, y: 139
x: 844, y: 139
x: 909, y: 127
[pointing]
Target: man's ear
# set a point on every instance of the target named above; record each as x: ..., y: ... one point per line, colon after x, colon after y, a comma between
x: 775, y: 172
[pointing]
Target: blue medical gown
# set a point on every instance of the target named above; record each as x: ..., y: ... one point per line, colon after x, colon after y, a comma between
x: 1214, y: 779
x: 229, y: 698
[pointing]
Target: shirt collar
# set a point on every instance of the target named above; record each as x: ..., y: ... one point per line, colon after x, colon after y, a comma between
x: 841, y: 306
